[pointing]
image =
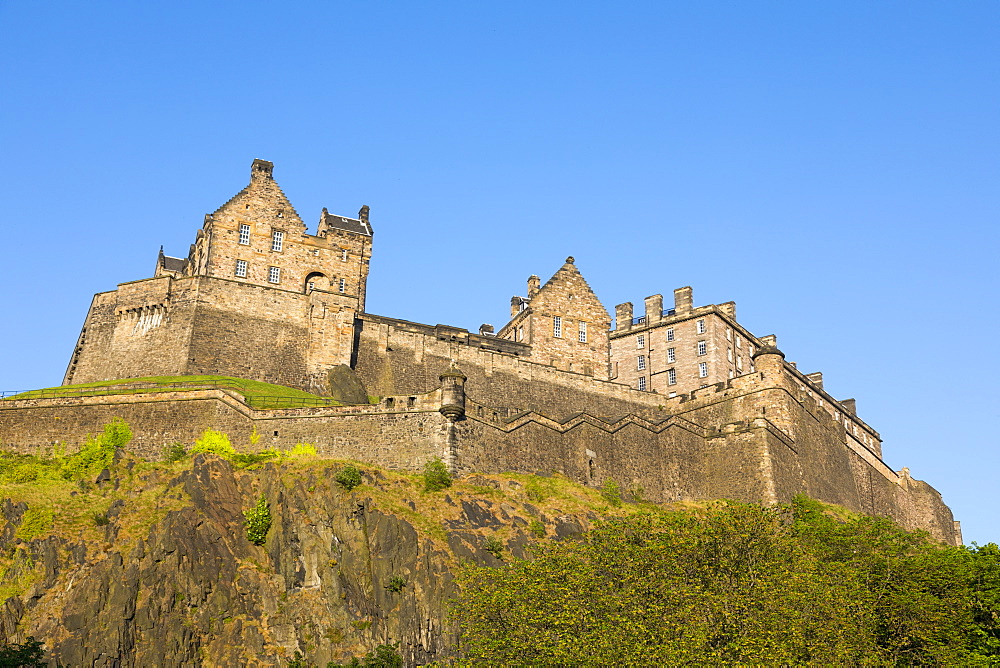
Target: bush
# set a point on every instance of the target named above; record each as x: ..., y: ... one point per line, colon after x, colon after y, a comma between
x: 383, y: 656
x: 396, y: 583
x: 26, y: 655
x: 97, y: 453
x: 494, y: 546
x: 611, y: 492
x: 349, y: 477
x: 302, y: 450
x: 35, y: 522
x: 536, y: 528
x: 174, y: 452
x: 258, y: 521
x: 216, y: 443
x: 101, y: 519
x: 436, y: 476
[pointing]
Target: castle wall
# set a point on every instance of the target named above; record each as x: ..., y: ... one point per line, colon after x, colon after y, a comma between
x: 403, y: 439
x: 207, y: 326
x: 398, y: 357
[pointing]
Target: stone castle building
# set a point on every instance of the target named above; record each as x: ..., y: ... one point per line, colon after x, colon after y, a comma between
x: 682, y: 402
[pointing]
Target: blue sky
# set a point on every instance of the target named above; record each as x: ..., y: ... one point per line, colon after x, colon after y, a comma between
x: 831, y: 167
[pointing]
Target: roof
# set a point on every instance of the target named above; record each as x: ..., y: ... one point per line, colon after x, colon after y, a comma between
x: 355, y: 225
x: 173, y: 263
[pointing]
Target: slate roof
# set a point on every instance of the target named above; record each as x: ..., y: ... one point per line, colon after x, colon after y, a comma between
x: 350, y: 224
x: 174, y: 263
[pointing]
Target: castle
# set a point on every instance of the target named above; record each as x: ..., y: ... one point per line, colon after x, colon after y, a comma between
x: 682, y: 402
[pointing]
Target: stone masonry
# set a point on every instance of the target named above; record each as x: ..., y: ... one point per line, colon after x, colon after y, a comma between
x: 683, y: 402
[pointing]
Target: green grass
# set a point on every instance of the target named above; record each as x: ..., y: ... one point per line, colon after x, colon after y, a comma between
x: 256, y: 393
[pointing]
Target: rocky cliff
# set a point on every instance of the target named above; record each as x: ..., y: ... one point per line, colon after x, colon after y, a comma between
x: 150, y: 565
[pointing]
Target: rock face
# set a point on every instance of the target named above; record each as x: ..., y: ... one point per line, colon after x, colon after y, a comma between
x: 191, y: 590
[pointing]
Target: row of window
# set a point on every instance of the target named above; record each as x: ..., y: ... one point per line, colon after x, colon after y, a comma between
x: 274, y: 275
x: 557, y: 329
x: 640, y: 339
x: 277, y: 241
x: 671, y: 373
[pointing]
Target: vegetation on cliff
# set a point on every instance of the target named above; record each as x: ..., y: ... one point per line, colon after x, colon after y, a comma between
x: 736, y: 583
x: 282, y: 558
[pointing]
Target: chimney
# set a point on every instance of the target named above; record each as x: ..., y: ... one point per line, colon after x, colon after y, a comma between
x: 654, y: 308
x: 533, y: 283
x: 683, y: 300
x: 729, y: 308
x: 261, y: 169
x: 816, y: 378
x: 850, y: 405
x: 623, y: 316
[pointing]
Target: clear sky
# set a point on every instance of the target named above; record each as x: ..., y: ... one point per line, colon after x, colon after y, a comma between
x: 832, y: 167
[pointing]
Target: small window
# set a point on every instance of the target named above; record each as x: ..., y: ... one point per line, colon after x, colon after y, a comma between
x: 739, y: 363
x: 343, y: 255
x: 520, y: 334
x: 241, y: 268
x: 244, y: 235
x: 582, y: 334
x: 700, y: 326
x: 671, y: 355
x: 670, y: 333
x: 671, y: 376
x: 702, y: 348
x: 557, y: 326
x: 640, y: 341
x: 277, y: 240
x: 703, y: 369
x: 642, y: 363
x: 642, y: 383
x: 739, y: 342
x: 729, y: 333
x: 274, y: 275
x: 342, y: 285
x: 731, y: 374
x: 729, y: 354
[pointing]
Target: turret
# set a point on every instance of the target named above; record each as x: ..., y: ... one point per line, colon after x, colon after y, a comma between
x: 453, y: 393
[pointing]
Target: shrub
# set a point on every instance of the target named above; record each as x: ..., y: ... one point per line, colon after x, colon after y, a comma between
x: 258, y: 521
x: 101, y: 519
x: 216, y: 443
x: 349, y: 477
x: 494, y: 546
x: 27, y: 655
x: 254, y: 459
x: 536, y: 528
x: 436, y: 476
x: 611, y: 492
x: 396, y: 583
x: 174, y: 452
x: 383, y: 656
x: 254, y: 436
x: 302, y: 450
x: 98, y: 452
x: 35, y: 522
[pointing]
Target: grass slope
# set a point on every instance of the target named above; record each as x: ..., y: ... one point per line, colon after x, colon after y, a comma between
x: 256, y: 393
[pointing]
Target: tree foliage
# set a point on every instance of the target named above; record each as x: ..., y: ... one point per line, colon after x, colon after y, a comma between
x: 436, y: 476
x: 736, y: 583
x: 258, y: 521
x: 28, y: 654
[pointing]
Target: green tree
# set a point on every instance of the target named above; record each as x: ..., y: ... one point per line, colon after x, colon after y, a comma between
x: 436, y: 476
x: 258, y: 521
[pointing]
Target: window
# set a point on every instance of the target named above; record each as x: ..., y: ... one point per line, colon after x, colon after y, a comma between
x: 520, y: 334
x: 731, y: 374
x: 241, y: 268
x: 582, y: 334
x: 642, y: 383
x: 640, y: 341
x: 739, y: 363
x: 642, y: 363
x: 274, y: 275
x: 557, y: 326
x: 729, y: 354
x: 671, y: 376
x: 342, y: 286
x: 670, y: 333
x: 310, y: 286
x: 277, y: 240
x: 343, y: 255
x: 244, y: 235
x: 739, y: 342
x: 729, y: 333
x: 700, y: 326
x: 702, y: 369
x: 702, y: 348
x: 671, y: 355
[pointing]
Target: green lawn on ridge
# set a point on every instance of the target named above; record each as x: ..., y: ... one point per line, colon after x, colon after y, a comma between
x: 257, y: 394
